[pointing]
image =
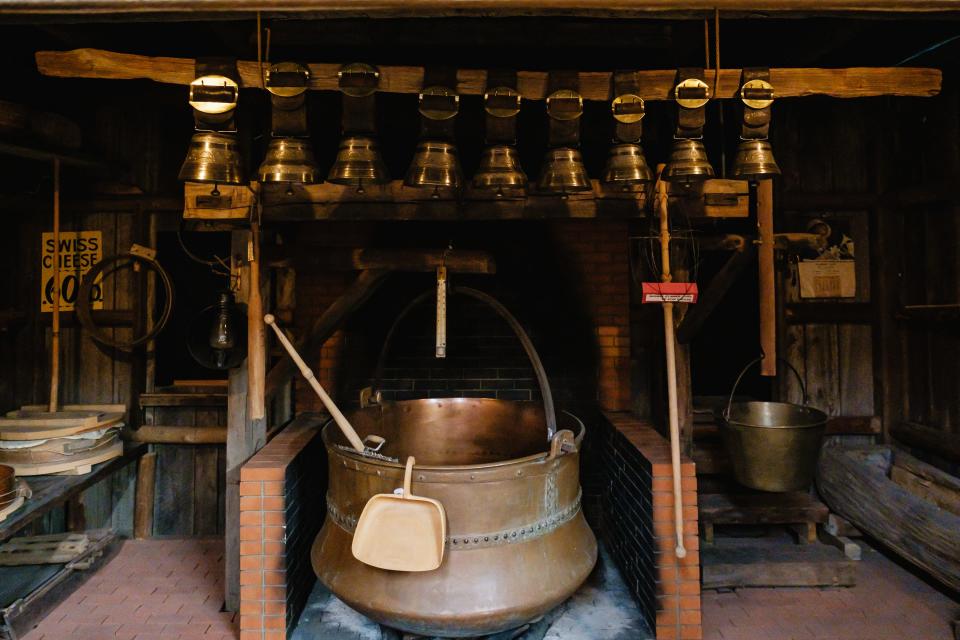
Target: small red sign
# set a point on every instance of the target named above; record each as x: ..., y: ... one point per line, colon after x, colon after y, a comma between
x: 670, y: 292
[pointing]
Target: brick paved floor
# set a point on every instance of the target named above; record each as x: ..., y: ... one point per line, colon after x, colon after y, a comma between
x: 173, y: 590
x: 152, y: 590
x: 888, y: 603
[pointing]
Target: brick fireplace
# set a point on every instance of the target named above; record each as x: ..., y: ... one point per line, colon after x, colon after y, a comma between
x: 572, y: 294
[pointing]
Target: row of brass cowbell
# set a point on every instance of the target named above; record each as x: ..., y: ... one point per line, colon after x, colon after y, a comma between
x: 214, y: 157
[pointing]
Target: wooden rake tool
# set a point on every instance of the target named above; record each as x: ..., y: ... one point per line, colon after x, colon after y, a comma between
x: 356, y: 444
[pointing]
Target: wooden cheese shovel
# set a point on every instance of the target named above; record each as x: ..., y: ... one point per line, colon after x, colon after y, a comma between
x: 401, y: 532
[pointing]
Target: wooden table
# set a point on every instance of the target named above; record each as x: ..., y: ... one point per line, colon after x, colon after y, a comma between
x: 53, y: 491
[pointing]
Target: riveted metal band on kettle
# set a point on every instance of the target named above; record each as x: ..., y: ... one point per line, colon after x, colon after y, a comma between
x: 501, y: 102
x: 214, y: 94
x: 627, y: 107
x: 359, y: 83
x: 691, y: 94
x: 756, y: 96
x: 564, y: 106
x: 287, y: 83
x: 439, y: 103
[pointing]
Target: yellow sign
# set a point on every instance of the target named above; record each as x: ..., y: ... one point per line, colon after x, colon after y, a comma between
x: 79, y: 251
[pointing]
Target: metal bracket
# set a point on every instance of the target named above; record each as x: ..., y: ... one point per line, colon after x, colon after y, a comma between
x: 502, y: 102
x: 692, y: 93
x: 439, y: 103
x: 628, y: 108
x: 214, y: 94
x: 358, y: 79
x: 565, y: 104
x: 287, y: 79
x: 757, y: 94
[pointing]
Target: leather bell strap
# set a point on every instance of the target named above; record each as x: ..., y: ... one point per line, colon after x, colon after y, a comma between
x: 501, y: 129
x: 359, y: 115
x: 756, y: 122
x: 431, y: 129
x: 564, y: 132
x: 220, y: 122
x: 625, y: 83
x: 288, y: 114
x: 690, y: 121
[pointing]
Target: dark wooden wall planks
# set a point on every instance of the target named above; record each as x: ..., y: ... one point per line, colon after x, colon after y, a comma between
x: 825, y: 147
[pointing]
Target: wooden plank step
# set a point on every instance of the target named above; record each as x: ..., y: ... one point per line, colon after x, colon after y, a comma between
x: 58, y: 548
x: 761, y: 508
x: 733, y: 563
x: 183, y: 400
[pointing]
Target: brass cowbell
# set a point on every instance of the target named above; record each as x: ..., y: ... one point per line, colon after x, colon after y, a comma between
x: 358, y: 162
x: 563, y: 172
x: 435, y: 164
x: 289, y: 160
x: 755, y: 161
x: 688, y: 162
x: 213, y: 157
x: 626, y: 166
x: 500, y: 169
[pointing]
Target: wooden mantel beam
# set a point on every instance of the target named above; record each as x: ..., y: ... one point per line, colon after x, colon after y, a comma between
x: 855, y: 82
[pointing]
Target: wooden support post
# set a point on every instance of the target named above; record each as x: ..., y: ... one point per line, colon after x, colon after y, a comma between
x: 143, y: 502
x: 55, y: 327
x: 768, y: 295
x: 244, y: 436
x: 256, y: 347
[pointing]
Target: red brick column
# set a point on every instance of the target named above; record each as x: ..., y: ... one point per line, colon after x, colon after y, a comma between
x: 675, y: 592
x: 268, y: 483
x: 598, y: 252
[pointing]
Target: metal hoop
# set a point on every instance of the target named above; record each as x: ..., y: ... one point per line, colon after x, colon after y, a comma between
x: 549, y: 411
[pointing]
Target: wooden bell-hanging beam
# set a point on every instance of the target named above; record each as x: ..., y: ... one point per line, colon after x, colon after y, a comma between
x: 854, y: 82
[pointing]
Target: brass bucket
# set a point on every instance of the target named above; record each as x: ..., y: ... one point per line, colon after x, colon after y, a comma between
x: 773, y: 446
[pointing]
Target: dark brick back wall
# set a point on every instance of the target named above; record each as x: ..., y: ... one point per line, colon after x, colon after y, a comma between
x: 304, y: 496
x: 485, y: 358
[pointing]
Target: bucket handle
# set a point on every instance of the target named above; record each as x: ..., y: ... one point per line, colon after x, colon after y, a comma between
x: 548, y: 409
x: 803, y: 387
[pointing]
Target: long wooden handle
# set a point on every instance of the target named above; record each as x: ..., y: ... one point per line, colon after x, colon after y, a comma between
x: 408, y: 477
x: 670, y: 344
x: 307, y: 373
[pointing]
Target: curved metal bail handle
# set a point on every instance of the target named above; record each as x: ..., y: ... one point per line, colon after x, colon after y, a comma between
x: 803, y: 387
x: 408, y: 477
x: 549, y: 411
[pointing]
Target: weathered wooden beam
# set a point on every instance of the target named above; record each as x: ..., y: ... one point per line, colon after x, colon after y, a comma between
x: 145, y: 493
x: 433, y: 8
x: 936, y: 441
x: 855, y: 82
x: 697, y: 314
x: 20, y: 121
x: 457, y: 260
x: 158, y: 434
x: 343, y: 307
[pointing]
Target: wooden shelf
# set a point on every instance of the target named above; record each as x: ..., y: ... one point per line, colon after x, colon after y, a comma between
x: 717, y: 199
